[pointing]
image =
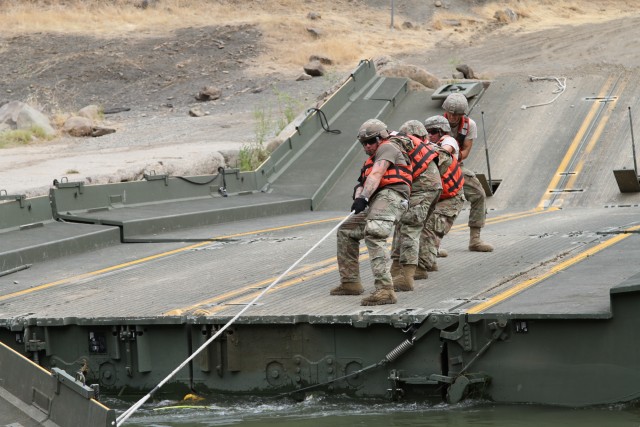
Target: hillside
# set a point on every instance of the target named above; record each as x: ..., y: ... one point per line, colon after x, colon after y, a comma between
x: 62, y: 56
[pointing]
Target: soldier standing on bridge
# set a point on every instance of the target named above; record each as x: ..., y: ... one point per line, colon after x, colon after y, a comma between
x: 380, y: 198
x: 425, y: 190
x: 465, y: 130
x: 450, y: 202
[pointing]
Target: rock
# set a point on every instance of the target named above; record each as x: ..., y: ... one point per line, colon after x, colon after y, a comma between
x: 407, y: 25
x: 466, y: 71
x: 97, y: 131
x: 314, y: 32
x: 209, y: 93
x: 322, y: 59
x: 392, y: 69
x: 18, y: 115
x: 78, y: 126
x: 506, y: 15
x: 313, y: 16
x: 196, y: 112
x: 438, y: 3
x: 457, y: 76
x: 91, y: 112
x: 314, y: 69
x: 303, y: 76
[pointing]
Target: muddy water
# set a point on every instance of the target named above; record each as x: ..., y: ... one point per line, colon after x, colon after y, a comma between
x: 318, y: 411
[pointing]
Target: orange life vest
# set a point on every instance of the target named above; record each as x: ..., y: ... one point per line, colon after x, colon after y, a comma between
x: 396, y: 174
x: 452, y: 180
x: 420, y: 156
x: 463, y: 129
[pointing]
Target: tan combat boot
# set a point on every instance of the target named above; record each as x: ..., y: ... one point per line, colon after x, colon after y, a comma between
x: 380, y: 296
x: 442, y: 253
x: 397, y: 275
x: 348, y: 288
x: 475, y: 243
x: 421, y: 273
x: 433, y: 267
x: 408, y: 272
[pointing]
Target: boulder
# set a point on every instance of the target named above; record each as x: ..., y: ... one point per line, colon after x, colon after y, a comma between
x: 18, y: 115
x: 412, y: 72
x: 209, y: 93
x: 91, y: 112
x: 314, y: 69
x: 78, y: 126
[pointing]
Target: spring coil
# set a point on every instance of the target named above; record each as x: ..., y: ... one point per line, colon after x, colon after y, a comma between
x: 399, y: 350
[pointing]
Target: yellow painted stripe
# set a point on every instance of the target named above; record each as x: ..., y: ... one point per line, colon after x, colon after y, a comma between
x: 157, y: 256
x: 558, y: 268
x: 611, y: 105
x: 247, y: 298
x: 24, y: 358
x: 507, y: 217
x: 574, y: 145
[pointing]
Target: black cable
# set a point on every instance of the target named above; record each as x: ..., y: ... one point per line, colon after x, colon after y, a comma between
x: 323, y: 121
x: 220, y: 173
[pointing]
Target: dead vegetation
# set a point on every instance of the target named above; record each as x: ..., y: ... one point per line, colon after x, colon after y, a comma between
x: 350, y: 29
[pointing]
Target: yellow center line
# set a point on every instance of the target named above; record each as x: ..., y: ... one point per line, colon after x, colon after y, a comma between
x: 253, y: 286
x: 595, y: 137
x: 249, y: 297
x: 558, y: 268
x: 507, y: 217
x: 157, y: 256
x: 574, y: 145
x: 283, y: 285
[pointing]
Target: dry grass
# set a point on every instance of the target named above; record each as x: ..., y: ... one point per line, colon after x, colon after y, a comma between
x: 350, y: 30
x: 348, y: 34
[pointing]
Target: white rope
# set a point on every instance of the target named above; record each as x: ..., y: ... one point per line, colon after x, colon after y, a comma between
x: 561, y: 86
x: 126, y: 414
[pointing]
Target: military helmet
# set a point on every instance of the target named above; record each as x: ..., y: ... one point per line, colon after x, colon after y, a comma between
x: 414, y: 127
x: 438, y: 122
x: 372, y: 128
x: 456, y: 103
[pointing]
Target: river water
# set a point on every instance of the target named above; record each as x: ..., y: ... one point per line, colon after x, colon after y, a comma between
x: 322, y: 411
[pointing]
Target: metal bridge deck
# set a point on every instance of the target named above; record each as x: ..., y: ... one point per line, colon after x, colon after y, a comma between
x: 537, y: 218
x: 178, y: 282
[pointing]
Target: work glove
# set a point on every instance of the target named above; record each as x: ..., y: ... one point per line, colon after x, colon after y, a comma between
x: 359, y: 205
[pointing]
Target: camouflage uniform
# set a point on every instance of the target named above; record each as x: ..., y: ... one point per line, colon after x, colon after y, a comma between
x: 425, y: 191
x: 374, y: 225
x: 474, y: 193
x: 438, y: 225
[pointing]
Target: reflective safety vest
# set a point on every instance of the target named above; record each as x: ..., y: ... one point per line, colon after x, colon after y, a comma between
x: 452, y: 180
x: 463, y: 129
x: 420, y: 156
x: 396, y: 174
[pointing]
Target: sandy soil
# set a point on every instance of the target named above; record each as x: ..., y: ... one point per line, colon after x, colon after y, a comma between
x: 157, y: 78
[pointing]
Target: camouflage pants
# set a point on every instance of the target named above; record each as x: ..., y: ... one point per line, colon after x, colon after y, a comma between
x: 406, y: 238
x: 374, y: 225
x: 425, y: 191
x: 475, y: 194
x: 437, y: 226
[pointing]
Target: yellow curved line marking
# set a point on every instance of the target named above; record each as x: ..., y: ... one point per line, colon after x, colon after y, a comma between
x: 574, y: 145
x: 154, y: 257
x: 558, y: 268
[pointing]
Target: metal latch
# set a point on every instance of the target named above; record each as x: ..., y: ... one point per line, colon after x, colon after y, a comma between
x: 20, y: 198
x: 65, y: 183
x: 151, y: 176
